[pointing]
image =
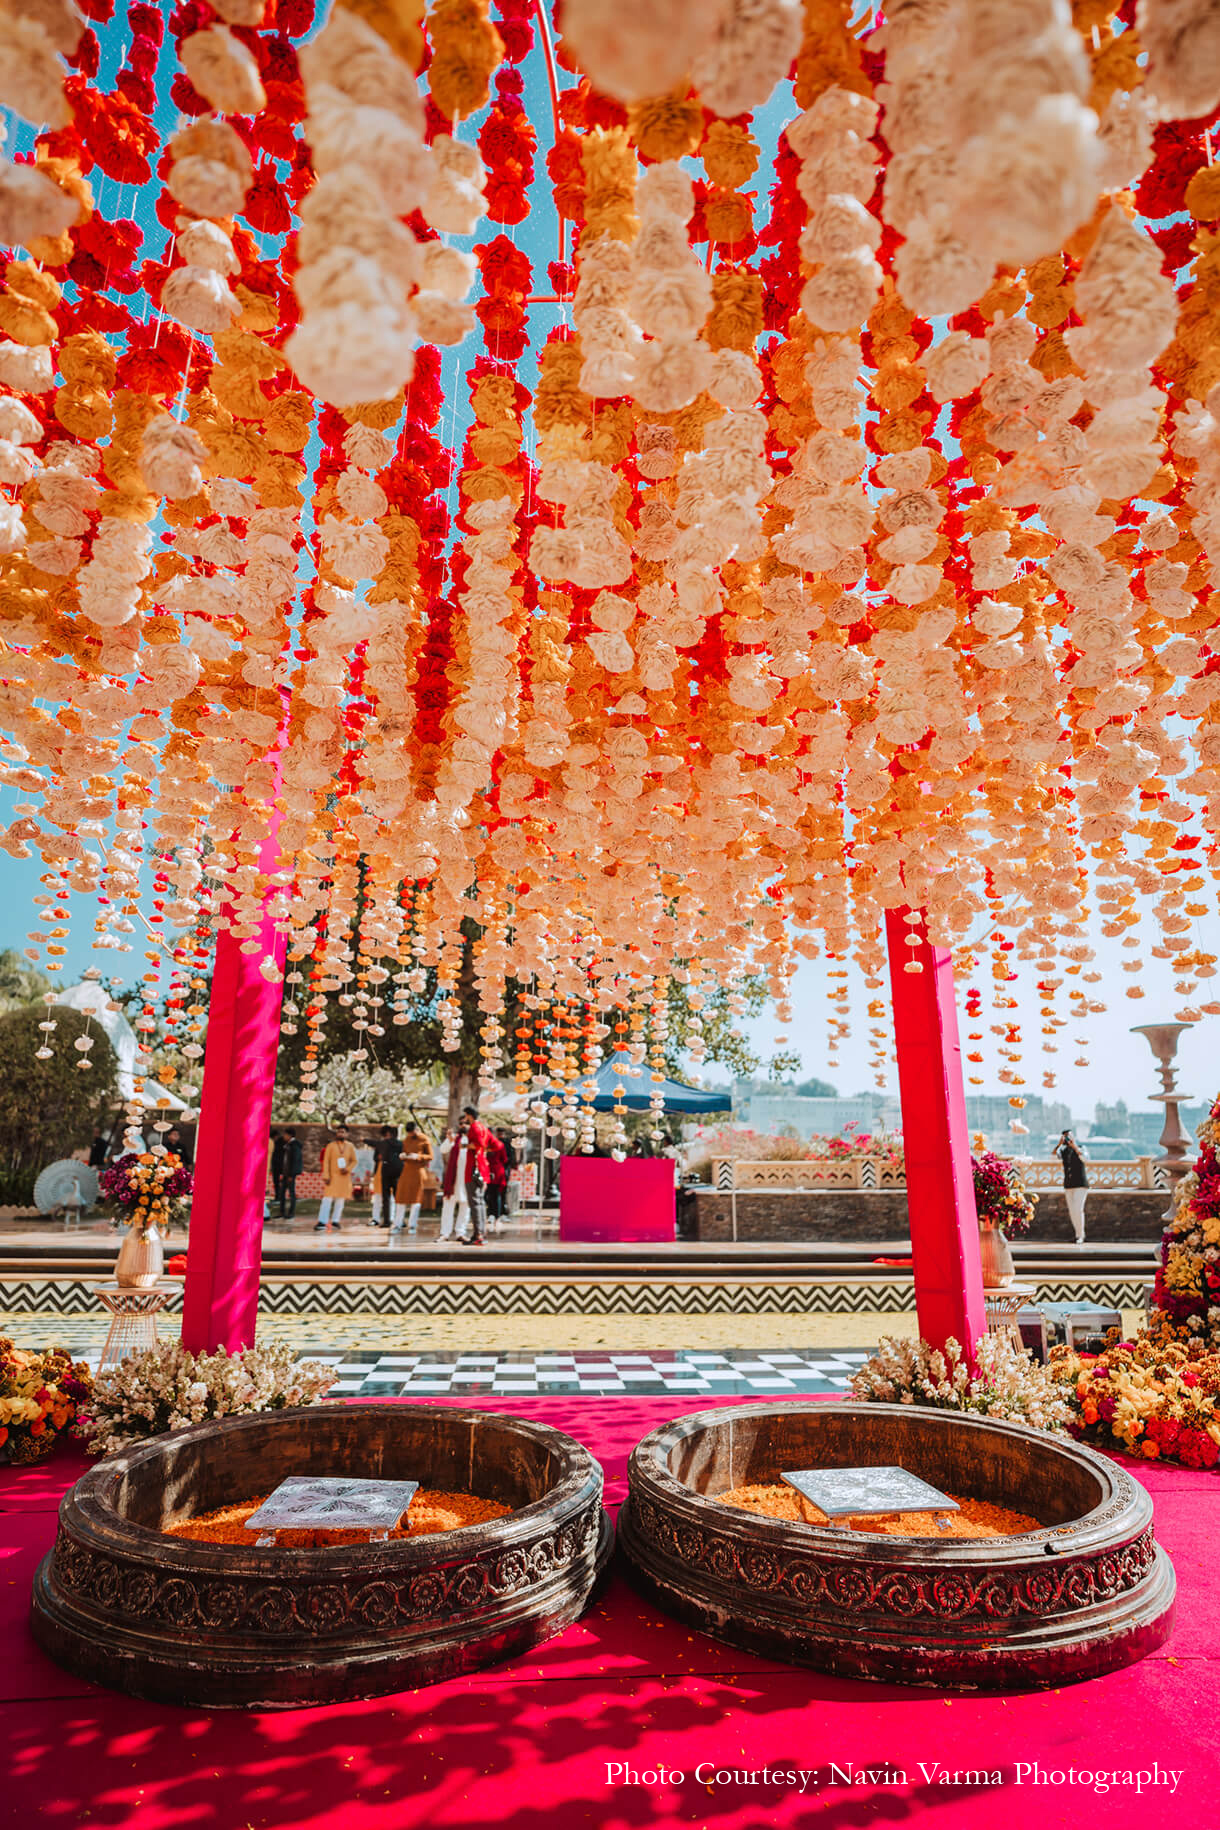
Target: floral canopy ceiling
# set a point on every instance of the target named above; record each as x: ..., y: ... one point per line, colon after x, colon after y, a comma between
x: 825, y: 522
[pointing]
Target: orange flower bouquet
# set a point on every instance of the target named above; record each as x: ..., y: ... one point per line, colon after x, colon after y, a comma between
x: 40, y: 1394
x: 144, y: 1188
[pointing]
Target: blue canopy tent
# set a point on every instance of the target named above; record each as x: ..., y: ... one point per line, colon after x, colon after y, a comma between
x: 639, y: 1088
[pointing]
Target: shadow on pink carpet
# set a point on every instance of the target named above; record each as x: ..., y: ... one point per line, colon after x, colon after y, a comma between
x: 592, y: 1728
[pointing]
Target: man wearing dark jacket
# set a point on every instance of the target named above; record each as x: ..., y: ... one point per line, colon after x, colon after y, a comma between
x: 287, y: 1161
x: 387, y: 1154
x: 1075, y: 1181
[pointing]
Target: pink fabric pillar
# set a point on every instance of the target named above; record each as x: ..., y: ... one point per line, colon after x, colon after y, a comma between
x: 936, y: 1141
x: 220, y: 1303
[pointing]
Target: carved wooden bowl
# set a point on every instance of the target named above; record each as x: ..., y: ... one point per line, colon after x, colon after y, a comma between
x: 119, y: 1603
x: 1087, y: 1592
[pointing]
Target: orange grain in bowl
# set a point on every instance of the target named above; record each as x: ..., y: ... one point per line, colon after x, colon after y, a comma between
x: 430, y: 1511
x: 974, y: 1519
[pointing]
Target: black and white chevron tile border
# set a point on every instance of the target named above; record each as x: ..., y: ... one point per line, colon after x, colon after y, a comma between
x: 603, y: 1297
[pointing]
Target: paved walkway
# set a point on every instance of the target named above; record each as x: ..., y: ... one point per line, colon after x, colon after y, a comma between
x: 329, y: 1335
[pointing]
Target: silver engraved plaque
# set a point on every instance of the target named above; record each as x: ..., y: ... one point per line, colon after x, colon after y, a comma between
x: 308, y: 1502
x: 839, y: 1492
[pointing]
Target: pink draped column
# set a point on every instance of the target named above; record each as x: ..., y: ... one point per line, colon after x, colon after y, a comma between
x: 936, y: 1141
x: 224, y: 1257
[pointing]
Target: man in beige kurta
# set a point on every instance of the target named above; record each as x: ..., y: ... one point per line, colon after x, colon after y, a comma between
x: 416, y: 1155
x: 338, y: 1164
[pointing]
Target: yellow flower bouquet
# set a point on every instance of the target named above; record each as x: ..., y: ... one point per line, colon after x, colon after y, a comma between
x: 40, y: 1396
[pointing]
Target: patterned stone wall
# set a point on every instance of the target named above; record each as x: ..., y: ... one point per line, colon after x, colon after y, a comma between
x: 847, y: 1216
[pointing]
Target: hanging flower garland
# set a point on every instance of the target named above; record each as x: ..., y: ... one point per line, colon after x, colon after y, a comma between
x: 767, y: 605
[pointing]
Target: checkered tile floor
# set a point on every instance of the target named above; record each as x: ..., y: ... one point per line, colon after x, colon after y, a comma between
x: 475, y: 1374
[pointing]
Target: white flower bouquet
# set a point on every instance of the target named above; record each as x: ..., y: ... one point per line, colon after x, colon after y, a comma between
x: 167, y: 1388
x: 1007, y: 1384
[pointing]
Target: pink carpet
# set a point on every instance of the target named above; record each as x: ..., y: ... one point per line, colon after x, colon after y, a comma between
x: 560, y: 1738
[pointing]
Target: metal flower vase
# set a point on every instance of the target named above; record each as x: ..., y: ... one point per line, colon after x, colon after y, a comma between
x: 141, y: 1260
x: 998, y: 1267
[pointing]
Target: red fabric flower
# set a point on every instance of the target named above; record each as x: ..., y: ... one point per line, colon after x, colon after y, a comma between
x: 116, y: 243
x: 139, y: 90
x: 93, y: 311
x: 294, y: 17
x: 583, y: 107
x: 266, y: 206
x: 566, y: 171
x: 514, y: 22
x: 277, y: 58
x: 507, y: 198
x: 505, y: 331
x: 274, y: 130
x: 146, y: 22
x: 190, y: 16
x: 113, y: 131
x: 425, y: 395
x: 562, y: 276
x: 157, y: 356
x: 1177, y: 154
x: 83, y: 270
x: 87, y: 55
x: 185, y: 97
x: 167, y: 211
x: 505, y: 269
x: 781, y: 290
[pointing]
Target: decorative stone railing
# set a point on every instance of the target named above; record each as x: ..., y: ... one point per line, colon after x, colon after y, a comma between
x: 1132, y: 1172
x: 813, y: 1173
x: 876, y: 1172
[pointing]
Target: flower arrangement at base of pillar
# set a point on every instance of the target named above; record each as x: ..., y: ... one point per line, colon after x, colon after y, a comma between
x: 1000, y: 1195
x: 167, y: 1388
x: 1156, y: 1398
x: 146, y: 1189
x: 1005, y: 1209
x: 40, y: 1394
x: 1007, y: 1384
x: 1187, y: 1296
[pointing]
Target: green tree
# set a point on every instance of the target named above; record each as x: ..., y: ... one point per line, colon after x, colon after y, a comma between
x: 20, y: 982
x: 414, y: 1047
x: 50, y: 1107
x: 818, y: 1089
x: 405, y: 1049
x: 358, y: 1091
x: 722, y: 1040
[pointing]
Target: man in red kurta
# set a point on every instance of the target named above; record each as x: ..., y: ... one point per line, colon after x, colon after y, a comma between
x: 465, y: 1179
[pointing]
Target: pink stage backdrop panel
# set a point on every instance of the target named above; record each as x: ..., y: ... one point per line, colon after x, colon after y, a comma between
x: 600, y: 1199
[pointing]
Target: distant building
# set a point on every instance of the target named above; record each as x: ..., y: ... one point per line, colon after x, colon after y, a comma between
x: 1143, y: 1128
x: 773, y: 1109
x: 991, y: 1114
